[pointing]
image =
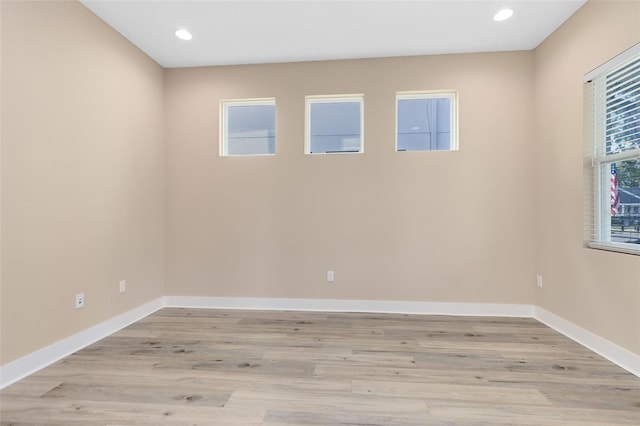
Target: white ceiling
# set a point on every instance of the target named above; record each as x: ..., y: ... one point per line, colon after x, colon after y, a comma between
x: 264, y: 31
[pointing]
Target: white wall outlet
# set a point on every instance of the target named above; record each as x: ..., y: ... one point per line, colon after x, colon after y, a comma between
x: 539, y: 281
x: 330, y: 276
x: 123, y: 286
x: 79, y: 300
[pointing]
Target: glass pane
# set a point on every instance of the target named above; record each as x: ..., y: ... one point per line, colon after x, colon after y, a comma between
x: 424, y: 124
x: 625, y: 201
x: 443, y: 141
x: 251, y: 129
x: 334, y: 127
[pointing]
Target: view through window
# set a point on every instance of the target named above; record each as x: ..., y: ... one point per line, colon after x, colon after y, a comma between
x: 248, y: 127
x: 615, y: 152
x: 334, y: 124
x: 425, y: 121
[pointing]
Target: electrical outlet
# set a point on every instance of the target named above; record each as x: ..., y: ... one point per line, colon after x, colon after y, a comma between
x: 123, y: 286
x: 79, y: 300
x: 539, y: 281
x: 330, y: 276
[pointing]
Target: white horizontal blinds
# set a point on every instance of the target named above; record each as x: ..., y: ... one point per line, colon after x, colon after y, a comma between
x: 622, y: 104
x: 612, y: 154
x: 599, y: 227
x: 589, y: 176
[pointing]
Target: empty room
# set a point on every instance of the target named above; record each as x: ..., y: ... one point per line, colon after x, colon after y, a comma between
x: 308, y: 212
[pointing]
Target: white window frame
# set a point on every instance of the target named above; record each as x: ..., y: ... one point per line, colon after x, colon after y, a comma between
x: 597, y: 165
x: 311, y: 99
x: 452, y: 95
x: 224, y: 114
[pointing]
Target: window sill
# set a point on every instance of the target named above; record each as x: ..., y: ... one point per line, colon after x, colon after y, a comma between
x: 333, y: 152
x: 616, y: 247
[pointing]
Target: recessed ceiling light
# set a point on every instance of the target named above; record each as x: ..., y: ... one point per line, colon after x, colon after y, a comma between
x: 503, y: 15
x: 183, y: 34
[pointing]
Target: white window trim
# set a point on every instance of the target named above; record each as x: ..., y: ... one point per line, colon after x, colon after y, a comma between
x: 599, y: 161
x: 357, y: 97
x: 224, y: 108
x: 433, y: 94
x: 615, y: 247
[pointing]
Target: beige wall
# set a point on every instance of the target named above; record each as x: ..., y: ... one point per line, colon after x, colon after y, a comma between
x: 596, y: 290
x: 82, y: 174
x: 424, y: 226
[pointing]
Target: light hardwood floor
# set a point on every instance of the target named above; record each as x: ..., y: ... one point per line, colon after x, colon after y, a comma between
x: 223, y: 367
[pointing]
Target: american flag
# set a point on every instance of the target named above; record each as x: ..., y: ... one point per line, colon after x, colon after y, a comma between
x: 615, y: 196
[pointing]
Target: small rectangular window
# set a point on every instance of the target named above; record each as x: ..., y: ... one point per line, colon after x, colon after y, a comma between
x: 426, y: 121
x: 612, y: 166
x: 334, y: 124
x: 248, y: 127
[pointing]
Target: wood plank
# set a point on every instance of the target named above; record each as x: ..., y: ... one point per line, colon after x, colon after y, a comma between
x: 344, y: 404
x: 466, y: 413
x: 479, y: 392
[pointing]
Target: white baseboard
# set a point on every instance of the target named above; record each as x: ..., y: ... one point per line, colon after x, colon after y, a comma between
x: 29, y: 364
x: 603, y: 347
x: 22, y: 367
x: 344, y: 305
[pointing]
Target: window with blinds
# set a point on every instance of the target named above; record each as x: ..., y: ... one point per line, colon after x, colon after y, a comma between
x: 612, y: 163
